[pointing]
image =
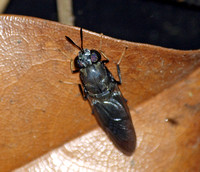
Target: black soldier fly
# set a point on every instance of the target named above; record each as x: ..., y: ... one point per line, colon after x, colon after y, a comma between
x: 101, y: 90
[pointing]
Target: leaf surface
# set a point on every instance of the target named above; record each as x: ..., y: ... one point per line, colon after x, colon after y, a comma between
x: 40, y: 112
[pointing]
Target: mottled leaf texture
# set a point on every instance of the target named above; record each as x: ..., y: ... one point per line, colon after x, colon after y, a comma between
x: 44, y: 119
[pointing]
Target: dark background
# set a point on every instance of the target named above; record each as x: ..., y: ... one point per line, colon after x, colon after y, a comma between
x: 165, y: 23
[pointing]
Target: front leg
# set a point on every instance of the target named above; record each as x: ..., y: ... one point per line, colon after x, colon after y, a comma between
x: 71, y: 67
x: 118, y: 68
x: 83, y: 93
x: 107, y: 59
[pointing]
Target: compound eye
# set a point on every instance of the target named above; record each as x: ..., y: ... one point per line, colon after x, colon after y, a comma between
x: 78, y: 63
x: 95, y: 56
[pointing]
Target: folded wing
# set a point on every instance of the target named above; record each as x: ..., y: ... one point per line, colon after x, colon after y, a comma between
x: 114, y: 117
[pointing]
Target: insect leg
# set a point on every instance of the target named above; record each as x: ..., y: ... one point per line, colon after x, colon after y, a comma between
x: 71, y: 67
x: 84, y: 95
x: 101, y: 42
x: 118, y: 68
x: 107, y: 59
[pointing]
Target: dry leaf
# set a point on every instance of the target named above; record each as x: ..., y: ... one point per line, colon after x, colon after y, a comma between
x: 39, y: 112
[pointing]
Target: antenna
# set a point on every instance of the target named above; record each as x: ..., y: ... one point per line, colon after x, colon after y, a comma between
x: 73, y: 43
x: 81, y: 34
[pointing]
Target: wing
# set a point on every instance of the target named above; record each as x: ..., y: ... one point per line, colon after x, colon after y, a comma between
x: 114, y: 117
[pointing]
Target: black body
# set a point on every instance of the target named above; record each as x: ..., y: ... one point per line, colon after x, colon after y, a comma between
x: 107, y: 103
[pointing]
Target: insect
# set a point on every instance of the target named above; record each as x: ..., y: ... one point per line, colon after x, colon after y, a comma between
x: 101, y: 90
x: 171, y: 121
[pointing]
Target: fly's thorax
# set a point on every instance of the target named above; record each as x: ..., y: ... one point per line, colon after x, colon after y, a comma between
x: 95, y: 78
x: 91, y: 69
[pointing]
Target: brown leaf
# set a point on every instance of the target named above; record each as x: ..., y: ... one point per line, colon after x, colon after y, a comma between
x: 39, y: 112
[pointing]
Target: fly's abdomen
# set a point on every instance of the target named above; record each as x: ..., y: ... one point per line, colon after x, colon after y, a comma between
x: 114, y: 117
x: 123, y: 135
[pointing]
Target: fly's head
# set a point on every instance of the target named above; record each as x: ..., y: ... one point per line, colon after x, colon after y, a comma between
x: 86, y: 58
